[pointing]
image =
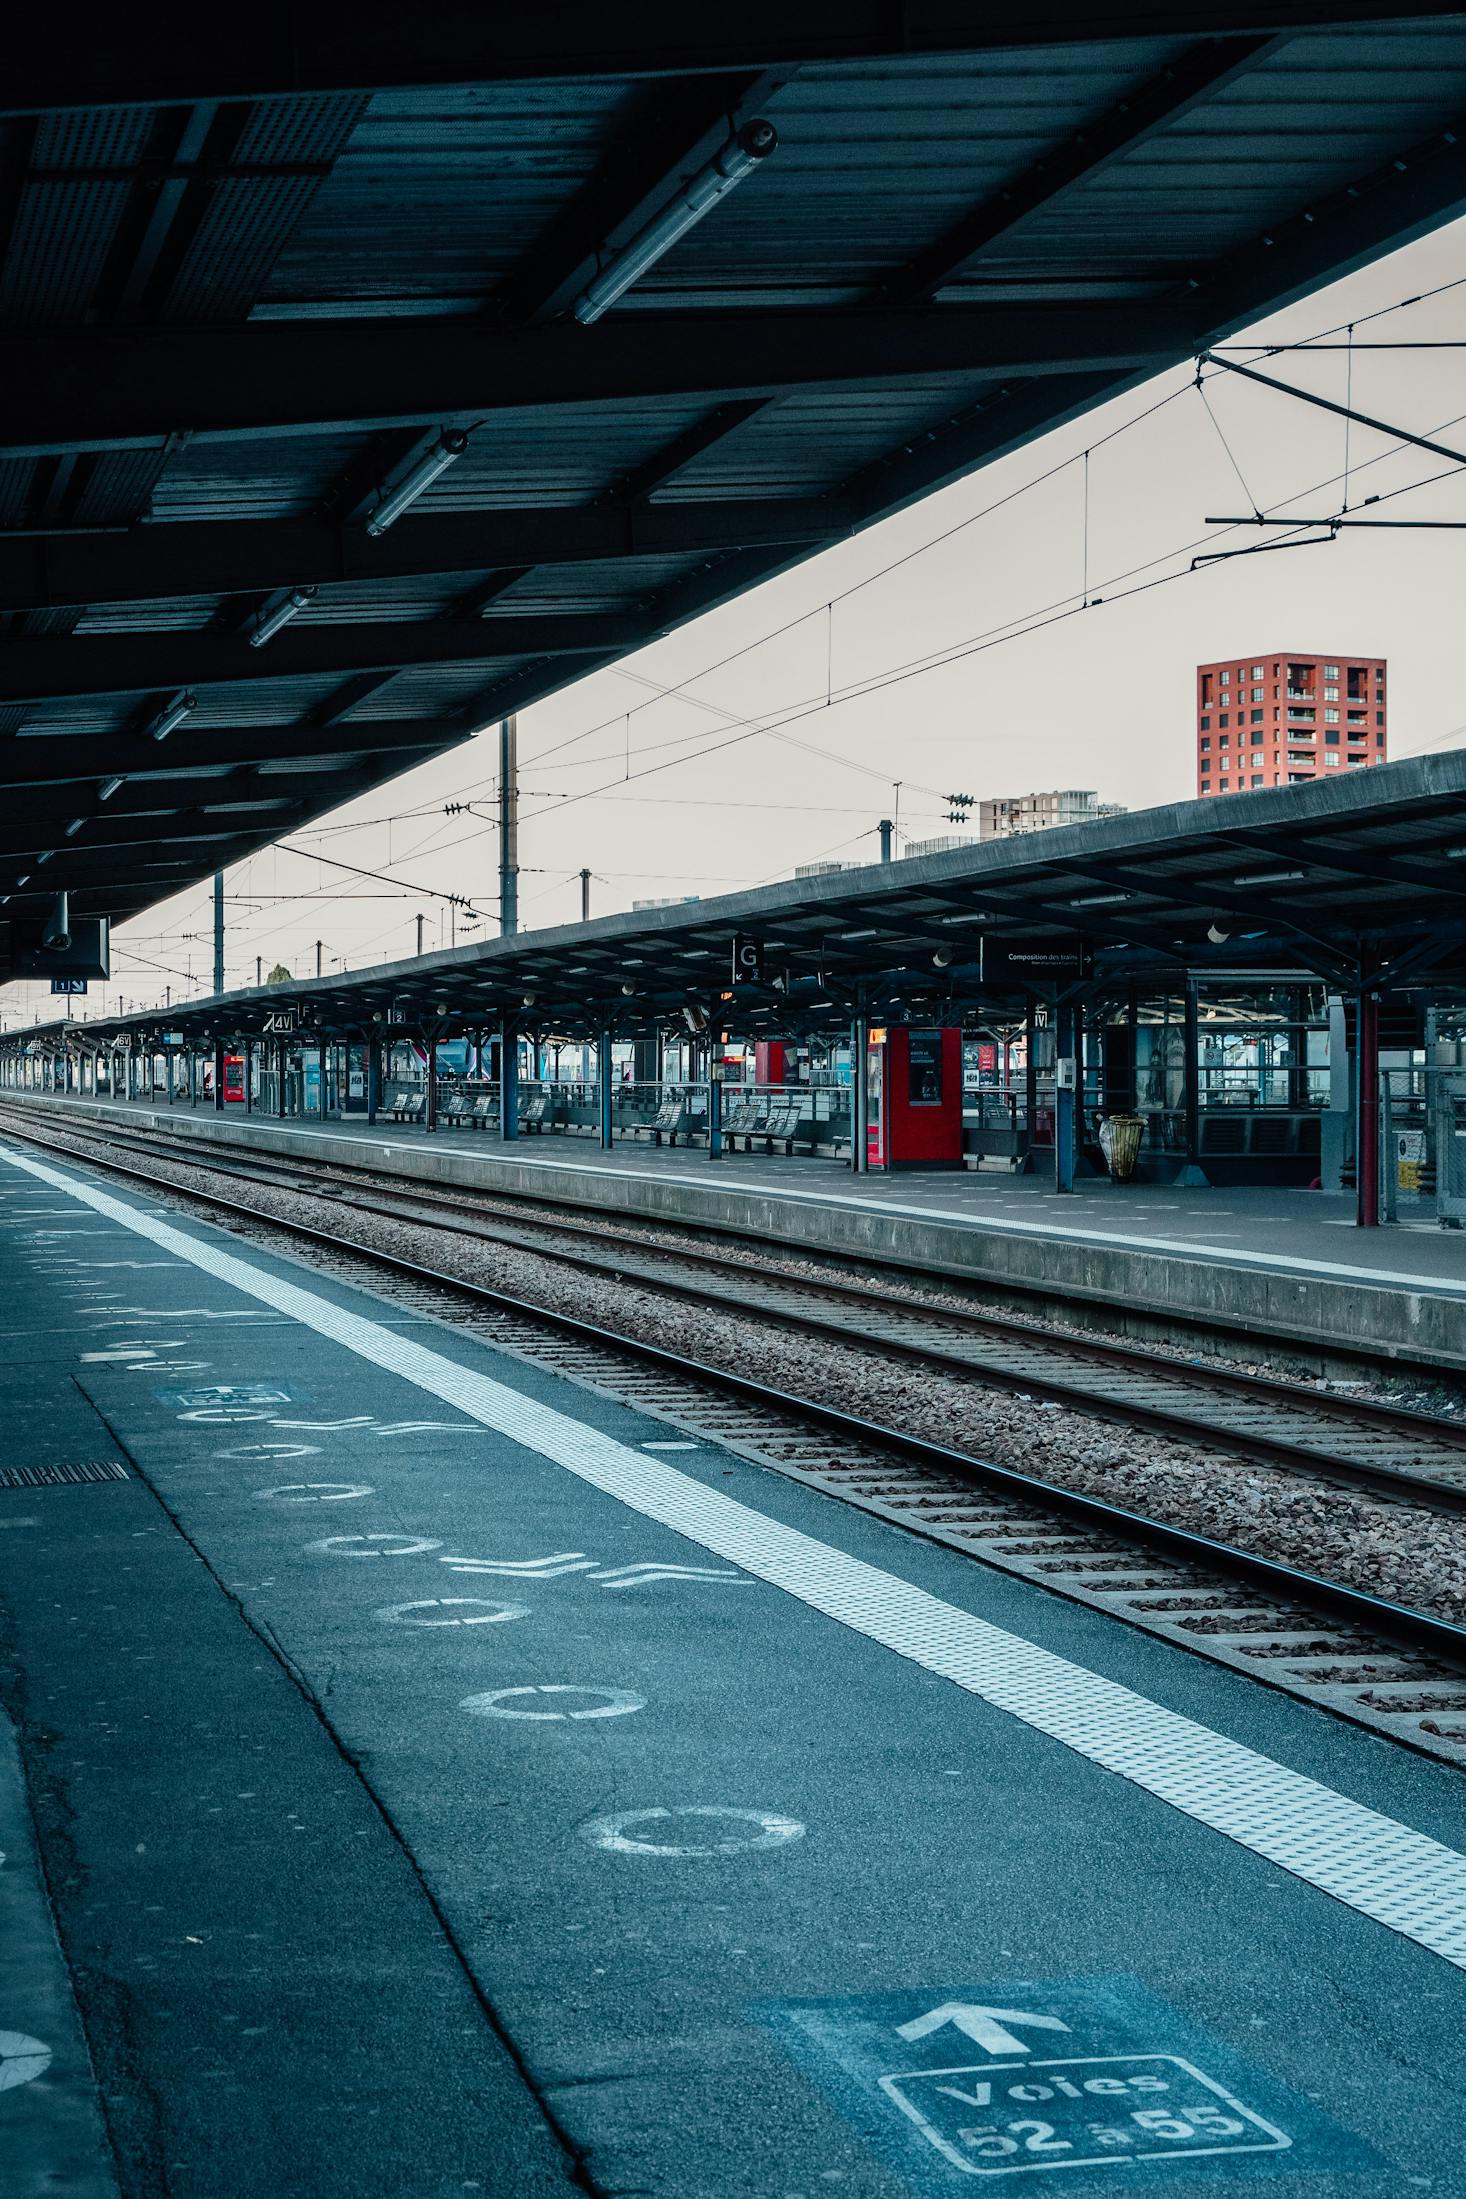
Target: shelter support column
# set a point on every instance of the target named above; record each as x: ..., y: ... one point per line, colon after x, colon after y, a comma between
x: 604, y: 1094
x: 282, y: 1063
x: 860, y: 1091
x: 218, y: 1076
x: 508, y: 1081
x: 1065, y: 1077
x: 373, y: 1077
x: 1366, y: 1143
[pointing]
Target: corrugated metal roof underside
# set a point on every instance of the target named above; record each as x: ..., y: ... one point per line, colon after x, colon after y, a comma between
x: 1132, y: 174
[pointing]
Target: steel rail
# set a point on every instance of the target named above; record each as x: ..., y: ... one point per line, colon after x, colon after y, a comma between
x: 1391, y: 1621
x: 1391, y: 1482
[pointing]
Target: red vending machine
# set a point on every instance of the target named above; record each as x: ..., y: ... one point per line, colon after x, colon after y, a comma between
x: 914, y: 1088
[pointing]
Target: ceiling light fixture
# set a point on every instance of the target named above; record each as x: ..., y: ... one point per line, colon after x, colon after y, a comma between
x: 172, y: 715
x: 107, y: 789
x: 451, y: 444
x: 286, y: 608
x: 74, y: 827
x: 738, y: 158
x: 1269, y: 877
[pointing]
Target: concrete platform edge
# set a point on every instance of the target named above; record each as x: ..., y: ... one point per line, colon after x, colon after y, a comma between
x: 1423, y: 1327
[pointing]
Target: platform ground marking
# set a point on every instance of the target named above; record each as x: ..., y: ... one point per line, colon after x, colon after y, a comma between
x: 21, y: 2059
x: 315, y: 1492
x: 340, y: 1546
x: 506, y: 1702
x: 484, y: 1614
x: 618, y: 1836
x: 272, y: 1451
x: 1378, y: 1866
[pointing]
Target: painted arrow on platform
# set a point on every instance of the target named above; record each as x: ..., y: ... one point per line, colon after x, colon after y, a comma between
x: 985, y: 2026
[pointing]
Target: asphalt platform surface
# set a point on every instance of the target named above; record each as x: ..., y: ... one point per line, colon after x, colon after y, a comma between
x: 421, y: 1811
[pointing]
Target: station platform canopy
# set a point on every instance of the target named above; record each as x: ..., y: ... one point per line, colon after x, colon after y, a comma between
x: 1359, y: 881
x: 358, y: 391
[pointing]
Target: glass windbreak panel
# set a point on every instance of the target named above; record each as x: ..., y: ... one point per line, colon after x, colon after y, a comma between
x: 924, y: 1088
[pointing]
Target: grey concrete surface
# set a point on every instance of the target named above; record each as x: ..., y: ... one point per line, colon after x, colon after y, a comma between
x: 224, y: 1715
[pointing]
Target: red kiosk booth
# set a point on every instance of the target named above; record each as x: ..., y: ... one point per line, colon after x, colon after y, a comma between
x: 914, y: 1098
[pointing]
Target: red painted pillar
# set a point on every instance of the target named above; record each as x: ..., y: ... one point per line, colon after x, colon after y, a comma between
x: 1366, y: 1165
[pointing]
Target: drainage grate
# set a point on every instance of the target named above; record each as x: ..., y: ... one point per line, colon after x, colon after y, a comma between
x: 46, y: 1477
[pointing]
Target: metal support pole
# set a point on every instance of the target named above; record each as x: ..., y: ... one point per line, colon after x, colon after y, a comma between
x: 218, y: 931
x: 430, y: 1082
x: 603, y: 1089
x: 218, y: 1076
x: 585, y: 897
x: 508, y: 827
x: 715, y: 1107
x: 860, y: 1092
x: 323, y: 1071
x: 282, y: 1058
x: 170, y: 1068
x: 508, y: 1081
x: 373, y: 1078
x: 885, y: 828
x: 1064, y: 1095
x: 1366, y: 1143
x: 249, y: 1076
x: 1030, y: 1079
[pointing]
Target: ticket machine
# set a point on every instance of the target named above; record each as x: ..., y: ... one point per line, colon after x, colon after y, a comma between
x: 914, y: 1088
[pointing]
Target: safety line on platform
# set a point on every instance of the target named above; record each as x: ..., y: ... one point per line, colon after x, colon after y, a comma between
x: 1373, y: 1864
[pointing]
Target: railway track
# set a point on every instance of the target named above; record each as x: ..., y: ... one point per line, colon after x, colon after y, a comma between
x: 1401, y: 1672
x: 1356, y: 1442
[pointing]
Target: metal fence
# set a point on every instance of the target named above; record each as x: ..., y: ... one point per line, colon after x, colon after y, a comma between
x: 1423, y: 1145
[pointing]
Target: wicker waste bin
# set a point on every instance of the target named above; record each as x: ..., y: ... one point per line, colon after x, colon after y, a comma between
x: 1119, y: 1138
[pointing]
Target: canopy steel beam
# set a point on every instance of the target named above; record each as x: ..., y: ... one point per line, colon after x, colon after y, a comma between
x: 114, y: 389
x: 46, y: 666
x: 1164, y: 99
x: 154, y: 563
x: 54, y: 759
x: 305, y: 46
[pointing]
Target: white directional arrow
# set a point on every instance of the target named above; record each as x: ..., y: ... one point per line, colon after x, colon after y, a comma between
x: 983, y: 2025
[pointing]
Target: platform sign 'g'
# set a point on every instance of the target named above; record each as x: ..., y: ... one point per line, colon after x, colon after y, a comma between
x: 1094, y: 2077
x: 748, y: 960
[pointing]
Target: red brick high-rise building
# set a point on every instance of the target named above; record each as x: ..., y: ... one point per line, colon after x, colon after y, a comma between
x: 1281, y: 718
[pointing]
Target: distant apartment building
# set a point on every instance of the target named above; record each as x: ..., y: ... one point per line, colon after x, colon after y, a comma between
x: 1006, y: 814
x: 1280, y: 720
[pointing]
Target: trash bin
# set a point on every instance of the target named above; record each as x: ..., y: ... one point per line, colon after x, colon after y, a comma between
x: 1119, y: 1138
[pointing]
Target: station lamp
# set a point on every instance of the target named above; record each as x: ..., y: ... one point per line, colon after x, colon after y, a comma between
x: 750, y: 144
x: 451, y: 445
x: 107, y: 789
x: 284, y: 609
x: 171, y: 716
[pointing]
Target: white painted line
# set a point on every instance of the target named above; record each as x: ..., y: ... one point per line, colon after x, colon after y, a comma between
x: 1373, y: 1864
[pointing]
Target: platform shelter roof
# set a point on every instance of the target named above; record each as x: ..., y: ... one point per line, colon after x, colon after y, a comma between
x: 255, y: 267
x: 1356, y: 881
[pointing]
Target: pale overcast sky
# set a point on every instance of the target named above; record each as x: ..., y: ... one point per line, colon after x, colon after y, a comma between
x: 1097, y: 698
